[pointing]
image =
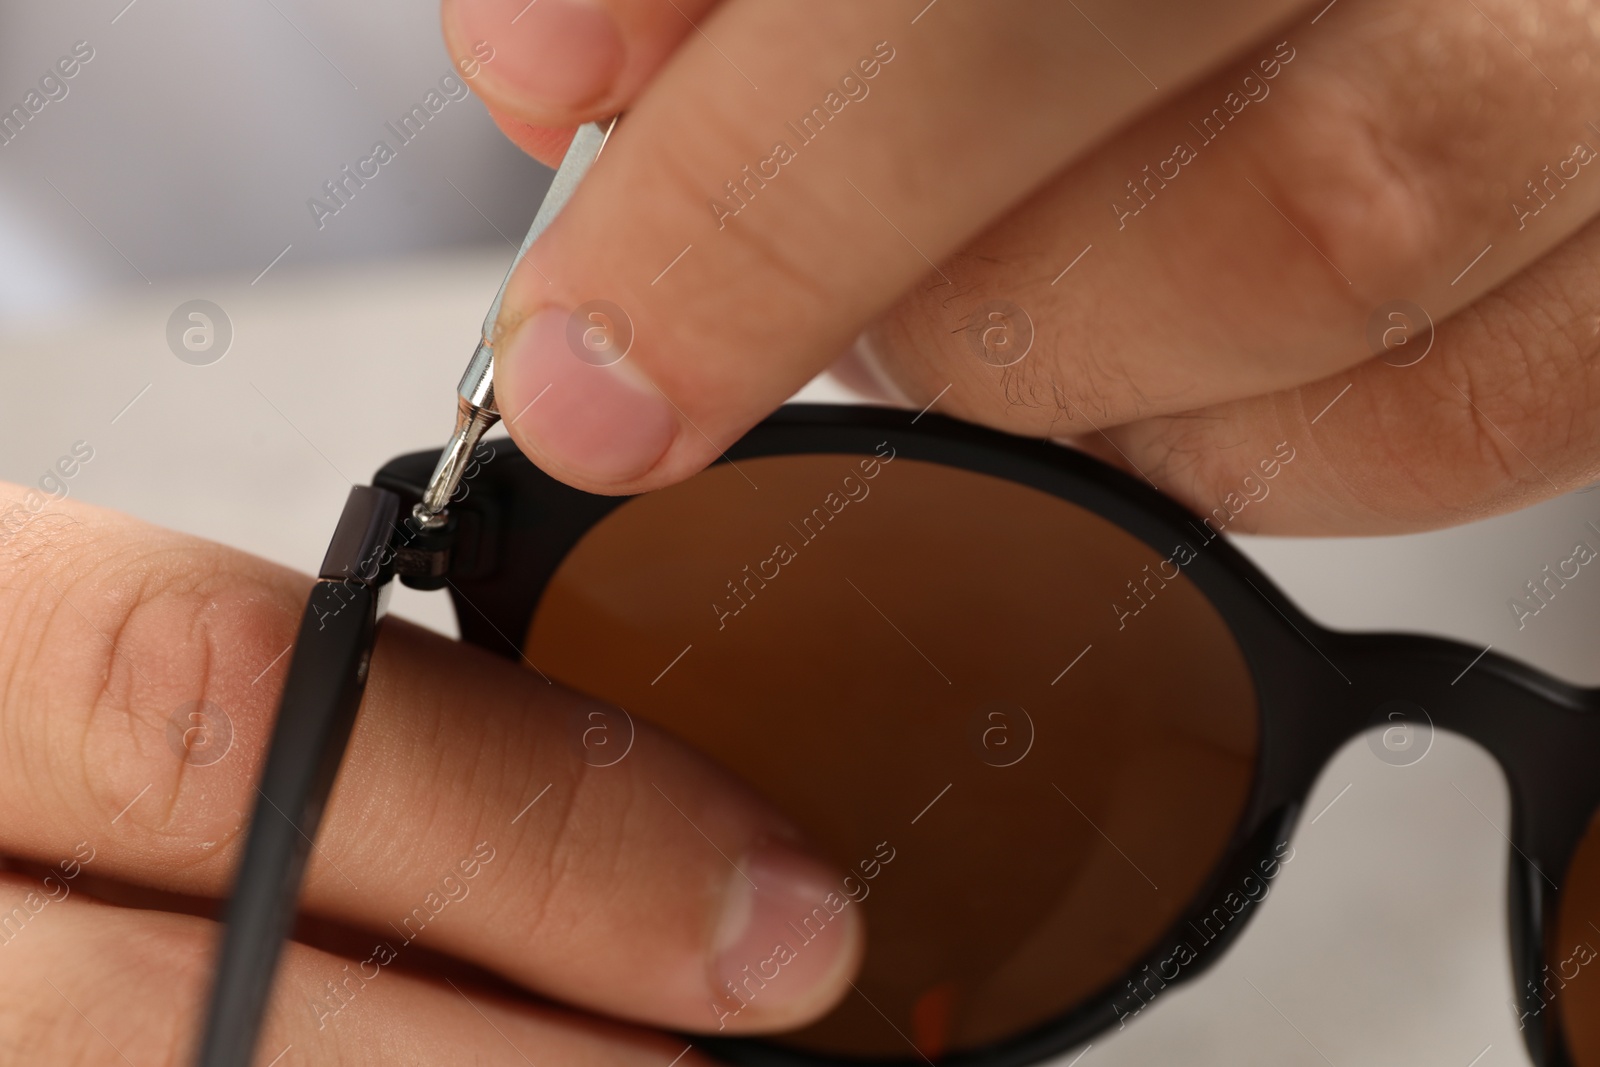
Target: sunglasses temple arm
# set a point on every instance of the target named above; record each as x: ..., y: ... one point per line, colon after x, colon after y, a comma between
x: 321, y: 696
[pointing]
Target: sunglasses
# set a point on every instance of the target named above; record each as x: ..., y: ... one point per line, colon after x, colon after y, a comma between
x: 1054, y: 725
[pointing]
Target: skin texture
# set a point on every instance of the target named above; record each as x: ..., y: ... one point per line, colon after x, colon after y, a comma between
x: 1369, y: 152
x: 90, y: 983
x: 606, y: 894
x: 1373, y: 150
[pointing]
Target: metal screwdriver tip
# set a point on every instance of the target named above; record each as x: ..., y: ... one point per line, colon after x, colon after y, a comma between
x: 475, y: 407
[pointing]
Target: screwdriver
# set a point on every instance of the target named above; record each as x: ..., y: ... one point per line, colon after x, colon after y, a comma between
x: 476, y: 411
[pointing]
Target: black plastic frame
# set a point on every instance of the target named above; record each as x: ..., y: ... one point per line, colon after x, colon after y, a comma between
x: 1317, y: 688
x: 321, y: 696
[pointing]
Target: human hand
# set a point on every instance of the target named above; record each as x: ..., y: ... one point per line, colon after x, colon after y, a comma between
x: 469, y: 847
x: 1205, y: 271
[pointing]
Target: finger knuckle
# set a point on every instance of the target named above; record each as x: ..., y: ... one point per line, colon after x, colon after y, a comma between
x: 110, y: 636
x: 580, y: 851
x: 1520, y: 379
x: 1355, y: 187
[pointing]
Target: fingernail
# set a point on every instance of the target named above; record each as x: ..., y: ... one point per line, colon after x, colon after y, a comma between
x: 554, y: 54
x: 788, y: 940
x: 577, y: 403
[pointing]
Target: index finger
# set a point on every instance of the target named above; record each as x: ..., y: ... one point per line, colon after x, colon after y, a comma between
x: 544, y: 67
x: 465, y: 818
x: 783, y: 180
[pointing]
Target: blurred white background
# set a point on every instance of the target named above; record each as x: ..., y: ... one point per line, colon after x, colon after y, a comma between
x: 191, y: 141
x: 178, y: 167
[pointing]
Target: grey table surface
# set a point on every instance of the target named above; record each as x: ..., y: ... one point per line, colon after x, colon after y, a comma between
x: 1383, y: 943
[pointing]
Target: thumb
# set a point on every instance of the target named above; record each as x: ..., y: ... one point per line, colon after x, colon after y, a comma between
x: 789, y: 174
x: 649, y: 327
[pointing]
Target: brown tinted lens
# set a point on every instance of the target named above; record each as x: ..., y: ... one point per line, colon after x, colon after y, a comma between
x: 1570, y: 981
x: 899, y: 655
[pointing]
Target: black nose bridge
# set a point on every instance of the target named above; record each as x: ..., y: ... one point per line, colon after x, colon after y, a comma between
x: 1545, y: 736
x: 1544, y: 733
